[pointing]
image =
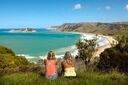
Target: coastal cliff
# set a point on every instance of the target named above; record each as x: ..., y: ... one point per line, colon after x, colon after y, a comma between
x: 104, y: 28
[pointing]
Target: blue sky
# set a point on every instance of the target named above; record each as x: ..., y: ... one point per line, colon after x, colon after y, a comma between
x: 43, y: 13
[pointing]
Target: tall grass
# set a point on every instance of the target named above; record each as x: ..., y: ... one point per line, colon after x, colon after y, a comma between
x: 84, y: 78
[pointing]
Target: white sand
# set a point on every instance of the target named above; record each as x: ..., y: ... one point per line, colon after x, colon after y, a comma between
x: 101, y: 48
x: 97, y: 53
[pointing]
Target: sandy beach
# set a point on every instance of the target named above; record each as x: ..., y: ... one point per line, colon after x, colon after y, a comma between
x: 83, y: 36
x: 101, y: 48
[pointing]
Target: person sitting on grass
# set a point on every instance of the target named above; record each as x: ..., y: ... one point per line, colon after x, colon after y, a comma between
x: 50, y: 66
x: 68, y: 66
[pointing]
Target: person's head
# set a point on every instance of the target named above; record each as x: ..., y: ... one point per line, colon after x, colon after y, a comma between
x: 50, y: 55
x: 68, y: 55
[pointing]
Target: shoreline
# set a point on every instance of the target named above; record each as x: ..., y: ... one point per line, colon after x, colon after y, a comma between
x: 101, y: 48
x: 75, y: 51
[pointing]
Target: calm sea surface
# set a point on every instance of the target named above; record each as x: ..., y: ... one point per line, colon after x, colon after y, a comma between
x: 39, y: 43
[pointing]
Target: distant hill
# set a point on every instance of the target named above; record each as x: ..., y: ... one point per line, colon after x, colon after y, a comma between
x: 104, y: 28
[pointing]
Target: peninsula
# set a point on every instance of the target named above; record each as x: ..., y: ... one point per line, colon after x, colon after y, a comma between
x: 115, y: 28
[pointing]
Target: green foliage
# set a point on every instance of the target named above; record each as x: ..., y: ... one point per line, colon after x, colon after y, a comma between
x: 86, y: 48
x: 84, y: 78
x: 115, y: 57
x: 4, y: 50
x: 9, y: 63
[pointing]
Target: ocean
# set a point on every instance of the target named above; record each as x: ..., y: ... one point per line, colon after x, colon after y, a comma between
x: 34, y: 46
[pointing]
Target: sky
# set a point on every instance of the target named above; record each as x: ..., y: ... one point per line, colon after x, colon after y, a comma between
x: 44, y: 13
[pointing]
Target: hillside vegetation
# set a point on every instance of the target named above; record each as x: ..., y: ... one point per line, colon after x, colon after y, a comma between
x: 99, y: 28
x: 115, y: 57
x: 10, y: 63
x: 84, y: 78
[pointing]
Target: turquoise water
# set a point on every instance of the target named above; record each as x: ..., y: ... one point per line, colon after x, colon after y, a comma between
x: 39, y: 43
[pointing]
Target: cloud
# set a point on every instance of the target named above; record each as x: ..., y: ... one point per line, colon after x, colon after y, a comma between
x: 77, y: 6
x: 126, y: 7
x: 108, y: 7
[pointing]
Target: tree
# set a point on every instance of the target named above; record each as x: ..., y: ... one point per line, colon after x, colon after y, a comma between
x: 86, y: 48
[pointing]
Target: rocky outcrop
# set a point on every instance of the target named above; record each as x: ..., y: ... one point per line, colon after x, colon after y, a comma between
x: 25, y: 30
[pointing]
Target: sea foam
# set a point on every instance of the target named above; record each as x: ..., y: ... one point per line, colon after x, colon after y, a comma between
x: 101, y: 41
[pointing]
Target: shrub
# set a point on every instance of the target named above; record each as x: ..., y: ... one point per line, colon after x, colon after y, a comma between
x: 86, y: 48
x: 115, y: 57
x: 9, y: 63
x: 4, y: 50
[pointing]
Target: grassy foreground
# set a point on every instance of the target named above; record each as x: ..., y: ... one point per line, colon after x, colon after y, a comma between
x: 86, y: 78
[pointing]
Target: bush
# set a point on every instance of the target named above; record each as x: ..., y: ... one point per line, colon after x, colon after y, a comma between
x: 86, y: 49
x: 4, y: 50
x: 115, y: 57
x: 9, y: 63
